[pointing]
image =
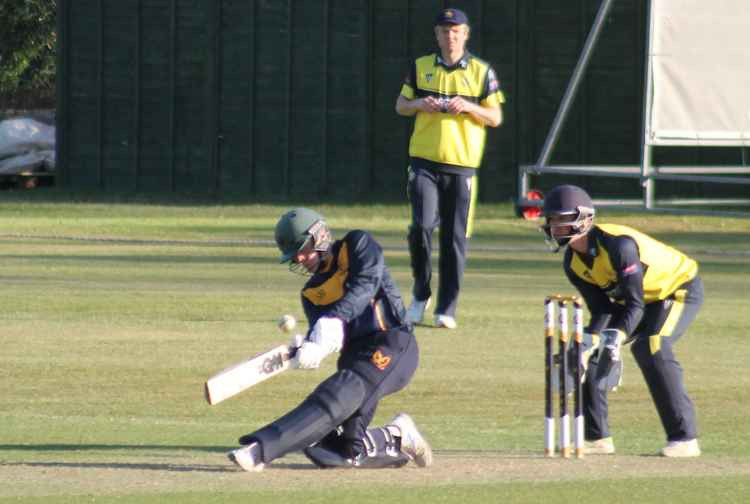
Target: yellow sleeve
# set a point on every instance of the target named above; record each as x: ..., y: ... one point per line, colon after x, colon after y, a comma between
x: 493, y: 100
x: 407, y: 91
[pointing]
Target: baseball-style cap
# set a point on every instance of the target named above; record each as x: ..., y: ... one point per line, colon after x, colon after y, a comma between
x: 451, y: 17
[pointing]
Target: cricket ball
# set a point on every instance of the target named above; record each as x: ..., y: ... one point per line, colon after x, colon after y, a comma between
x: 287, y: 323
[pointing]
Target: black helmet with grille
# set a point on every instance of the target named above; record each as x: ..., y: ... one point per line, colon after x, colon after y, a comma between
x: 572, y: 208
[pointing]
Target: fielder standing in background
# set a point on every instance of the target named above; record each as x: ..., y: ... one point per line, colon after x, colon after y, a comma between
x: 638, y: 290
x: 455, y: 96
x: 352, y: 306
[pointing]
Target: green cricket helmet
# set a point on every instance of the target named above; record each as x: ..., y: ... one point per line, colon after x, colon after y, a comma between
x: 576, y: 210
x: 296, y: 227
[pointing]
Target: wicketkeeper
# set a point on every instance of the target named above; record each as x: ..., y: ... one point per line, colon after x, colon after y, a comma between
x: 353, y: 307
x: 638, y: 291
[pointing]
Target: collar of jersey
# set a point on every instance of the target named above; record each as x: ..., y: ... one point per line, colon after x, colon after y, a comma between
x: 462, y: 63
x: 327, y: 263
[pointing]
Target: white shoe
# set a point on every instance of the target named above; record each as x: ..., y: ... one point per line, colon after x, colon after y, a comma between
x: 412, y: 442
x: 247, y: 457
x: 687, y: 448
x: 603, y: 446
x: 445, y: 321
x: 415, y: 312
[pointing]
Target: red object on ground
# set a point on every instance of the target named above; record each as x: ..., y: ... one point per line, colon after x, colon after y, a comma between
x: 532, y: 212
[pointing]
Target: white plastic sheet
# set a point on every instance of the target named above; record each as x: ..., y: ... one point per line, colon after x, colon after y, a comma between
x: 26, y: 145
x: 700, y: 59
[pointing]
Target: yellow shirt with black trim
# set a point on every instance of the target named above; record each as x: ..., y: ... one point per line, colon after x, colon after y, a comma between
x: 627, y: 268
x: 446, y: 138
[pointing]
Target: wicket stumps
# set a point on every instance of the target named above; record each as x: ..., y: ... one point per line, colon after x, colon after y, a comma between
x: 562, y: 303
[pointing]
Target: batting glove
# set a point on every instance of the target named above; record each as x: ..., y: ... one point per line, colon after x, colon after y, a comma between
x: 309, y: 356
x: 328, y: 332
x: 297, y: 341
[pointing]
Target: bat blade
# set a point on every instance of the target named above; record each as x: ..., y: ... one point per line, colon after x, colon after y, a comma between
x: 234, y: 379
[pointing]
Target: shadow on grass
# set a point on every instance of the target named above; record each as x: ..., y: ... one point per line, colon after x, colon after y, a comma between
x: 109, y: 447
x: 138, y: 466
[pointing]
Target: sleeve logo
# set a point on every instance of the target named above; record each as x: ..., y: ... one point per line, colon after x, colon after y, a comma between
x: 380, y: 361
x: 492, y: 82
x: 629, y: 270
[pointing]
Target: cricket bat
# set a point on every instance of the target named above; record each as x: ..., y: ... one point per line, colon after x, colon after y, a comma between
x: 233, y: 380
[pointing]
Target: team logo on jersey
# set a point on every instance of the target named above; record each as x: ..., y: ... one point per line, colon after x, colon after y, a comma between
x: 428, y: 77
x: 319, y: 293
x: 380, y: 361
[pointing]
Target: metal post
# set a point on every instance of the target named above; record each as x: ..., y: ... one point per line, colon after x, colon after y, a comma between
x: 570, y: 92
x: 646, y: 150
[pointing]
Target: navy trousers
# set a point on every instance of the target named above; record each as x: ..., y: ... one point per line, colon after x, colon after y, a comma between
x: 438, y: 199
x: 663, y: 323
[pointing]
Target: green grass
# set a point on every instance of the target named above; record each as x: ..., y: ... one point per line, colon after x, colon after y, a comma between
x: 115, y: 312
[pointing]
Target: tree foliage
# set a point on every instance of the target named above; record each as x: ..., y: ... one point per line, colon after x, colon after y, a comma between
x: 27, y: 45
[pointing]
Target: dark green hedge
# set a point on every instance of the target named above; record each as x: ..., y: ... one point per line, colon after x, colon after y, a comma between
x: 27, y: 53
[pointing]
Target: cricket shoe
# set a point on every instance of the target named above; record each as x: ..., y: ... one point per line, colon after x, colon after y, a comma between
x: 415, y: 312
x: 688, y: 448
x: 603, y: 446
x: 413, y: 443
x: 248, y: 457
x: 445, y: 321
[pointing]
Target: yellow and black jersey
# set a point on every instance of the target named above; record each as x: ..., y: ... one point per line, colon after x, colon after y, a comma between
x: 623, y: 271
x: 446, y: 138
x: 354, y: 285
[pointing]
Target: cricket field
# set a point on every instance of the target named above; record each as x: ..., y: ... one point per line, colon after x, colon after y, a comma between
x: 114, y: 313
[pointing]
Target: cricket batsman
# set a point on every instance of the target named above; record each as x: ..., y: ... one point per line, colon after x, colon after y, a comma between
x: 353, y: 307
x: 639, y: 291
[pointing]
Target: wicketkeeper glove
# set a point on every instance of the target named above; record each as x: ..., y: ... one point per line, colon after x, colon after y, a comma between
x: 589, y: 348
x: 610, y: 343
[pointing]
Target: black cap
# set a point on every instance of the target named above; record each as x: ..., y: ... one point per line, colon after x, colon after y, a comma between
x: 451, y: 17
